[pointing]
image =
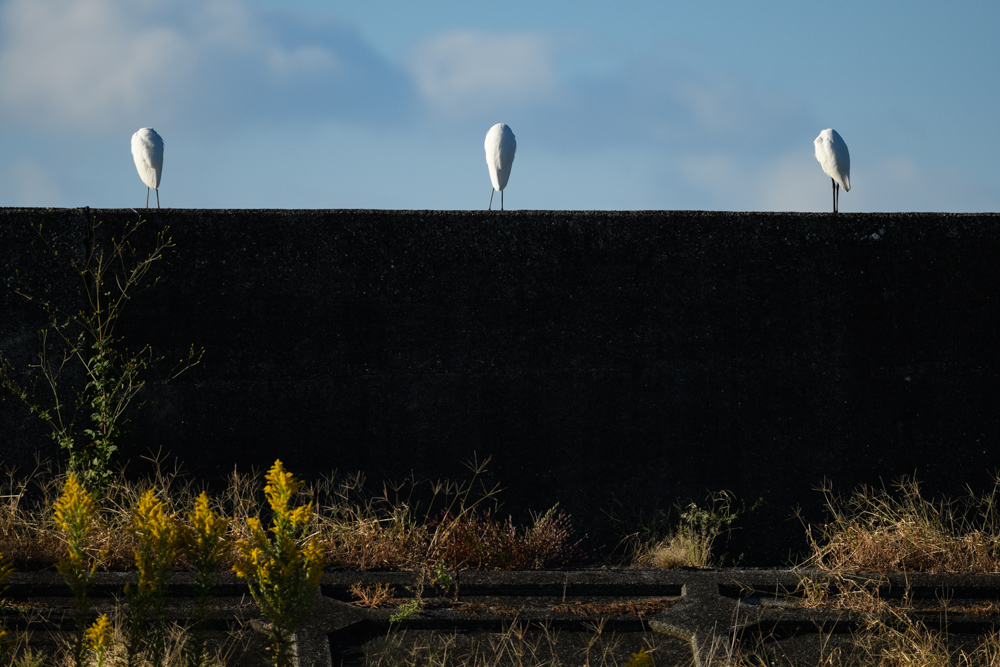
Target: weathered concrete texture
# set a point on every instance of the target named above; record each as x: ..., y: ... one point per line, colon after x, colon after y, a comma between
x: 685, y: 617
x: 39, y: 609
x: 603, y: 360
x: 695, y: 617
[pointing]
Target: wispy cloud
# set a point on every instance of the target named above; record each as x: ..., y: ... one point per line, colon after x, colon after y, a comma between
x: 94, y: 64
x: 468, y: 72
x: 80, y: 63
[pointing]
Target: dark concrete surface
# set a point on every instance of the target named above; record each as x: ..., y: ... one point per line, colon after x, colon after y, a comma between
x: 611, y: 362
x: 684, y: 617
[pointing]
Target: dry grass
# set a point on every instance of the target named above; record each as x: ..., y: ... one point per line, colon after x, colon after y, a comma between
x: 676, y: 551
x: 403, y: 526
x: 691, y: 541
x: 415, y: 525
x: 518, y: 645
x: 29, y: 538
x: 842, y: 592
x: 911, y: 644
x: 234, y: 648
x: 880, y: 531
x: 376, y: 595
x: 890, y: 640
x: 479, y: 541
x: 877, y: 530
x: 25, y: 501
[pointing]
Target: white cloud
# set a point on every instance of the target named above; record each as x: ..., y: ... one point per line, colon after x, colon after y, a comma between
x: 92, y: 65
x: 463, y: 71
x: 80, y: 62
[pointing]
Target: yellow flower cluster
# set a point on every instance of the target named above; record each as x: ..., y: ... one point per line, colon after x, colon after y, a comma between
x: 205, y: 540
x: 158, y: 536
x: 76, y: 514
x: 283, y: 570
x: 640, y: 659
x: 281, y: 486
x: 99, y: 638
x: 315, y: 556
x: 6, y: 643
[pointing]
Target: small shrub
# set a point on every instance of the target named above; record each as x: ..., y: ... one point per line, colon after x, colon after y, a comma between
x: 373, y: 596
x: 108, y: 377
x: 405, y: 611
x: 691, y: 543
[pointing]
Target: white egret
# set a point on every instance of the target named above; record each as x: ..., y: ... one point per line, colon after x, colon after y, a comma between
x: 500, y: 147
x: 147, y: 151
x: 831, y: 151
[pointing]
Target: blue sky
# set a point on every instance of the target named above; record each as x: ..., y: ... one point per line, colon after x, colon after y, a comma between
x: 377, y: 104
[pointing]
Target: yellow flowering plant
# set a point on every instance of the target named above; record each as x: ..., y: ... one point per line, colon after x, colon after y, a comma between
x: 157, y: 536
x: 206, y: 546
x: 6, y: 645
x: 99, y: 638
x: 75, y: 514
x: 282, y: 569
x: 642, y: 658
x: 206, y: 541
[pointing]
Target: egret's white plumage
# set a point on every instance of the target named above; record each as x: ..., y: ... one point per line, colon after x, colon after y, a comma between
x: 831, y: 151
x: 500, y: 147
x: 147, y: 151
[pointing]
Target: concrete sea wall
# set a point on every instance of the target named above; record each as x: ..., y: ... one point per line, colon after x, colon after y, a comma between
x: 613, y: 362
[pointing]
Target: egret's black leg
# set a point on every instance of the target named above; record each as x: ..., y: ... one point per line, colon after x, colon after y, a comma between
x: 157, y: 199
x: 147, y: 196
x: 501, y: 200
x: 490, y: 208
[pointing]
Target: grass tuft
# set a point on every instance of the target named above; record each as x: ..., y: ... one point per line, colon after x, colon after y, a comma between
x: 899, y: 530
x: 691, y: 541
